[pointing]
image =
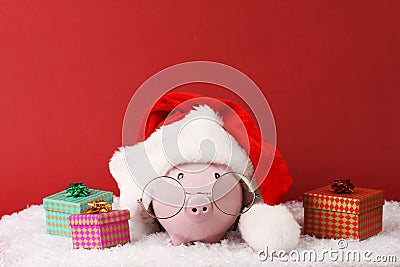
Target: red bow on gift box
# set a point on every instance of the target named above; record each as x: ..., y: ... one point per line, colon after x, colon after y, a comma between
x: 342, y: 186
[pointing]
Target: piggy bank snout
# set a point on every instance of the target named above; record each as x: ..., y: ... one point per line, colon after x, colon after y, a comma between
x: 199, y: 208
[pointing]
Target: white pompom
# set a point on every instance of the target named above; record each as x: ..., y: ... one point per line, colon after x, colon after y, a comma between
x: 271, y: 226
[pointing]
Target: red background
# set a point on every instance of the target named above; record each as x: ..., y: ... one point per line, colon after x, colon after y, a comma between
x: 329, y: 69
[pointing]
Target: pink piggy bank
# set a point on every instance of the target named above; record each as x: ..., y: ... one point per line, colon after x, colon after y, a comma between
x: 207, y: 212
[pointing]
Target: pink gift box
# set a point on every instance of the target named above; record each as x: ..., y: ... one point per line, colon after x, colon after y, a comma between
x: 101, y: 230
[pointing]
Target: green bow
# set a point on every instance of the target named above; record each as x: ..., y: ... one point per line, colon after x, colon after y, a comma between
x: 77, y: 190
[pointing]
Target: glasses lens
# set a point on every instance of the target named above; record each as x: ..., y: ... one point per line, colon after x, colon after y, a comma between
x: 167, y: 196
x: 231, y: 194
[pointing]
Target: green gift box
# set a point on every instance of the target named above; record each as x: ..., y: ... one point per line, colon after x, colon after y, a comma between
x: 59, y: 207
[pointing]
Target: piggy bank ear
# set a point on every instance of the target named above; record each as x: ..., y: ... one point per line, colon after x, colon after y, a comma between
x: 129, y: 194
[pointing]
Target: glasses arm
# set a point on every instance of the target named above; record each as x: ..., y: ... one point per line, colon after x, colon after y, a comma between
x: 140, y: 203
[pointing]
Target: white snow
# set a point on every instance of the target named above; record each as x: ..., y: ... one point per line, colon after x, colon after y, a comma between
x: 24, y: 242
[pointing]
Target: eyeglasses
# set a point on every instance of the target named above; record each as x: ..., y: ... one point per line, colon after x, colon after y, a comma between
x: 226, y: 191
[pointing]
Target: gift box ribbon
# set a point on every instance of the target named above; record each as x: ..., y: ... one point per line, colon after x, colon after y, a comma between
x: 98, y: 206
x: 342, y: 186
x: 77, y: 190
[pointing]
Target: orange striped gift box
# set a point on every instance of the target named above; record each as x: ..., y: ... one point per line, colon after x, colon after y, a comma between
x: 356, y: 215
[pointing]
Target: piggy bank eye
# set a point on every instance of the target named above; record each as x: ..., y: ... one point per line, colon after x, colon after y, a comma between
x: 216, y: 175
x: 180, y: 176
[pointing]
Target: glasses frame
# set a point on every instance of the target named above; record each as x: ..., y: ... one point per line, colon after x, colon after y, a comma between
x: 244, y: 179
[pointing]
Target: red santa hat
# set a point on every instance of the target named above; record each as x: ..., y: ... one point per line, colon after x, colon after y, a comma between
x: 183, y: 128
